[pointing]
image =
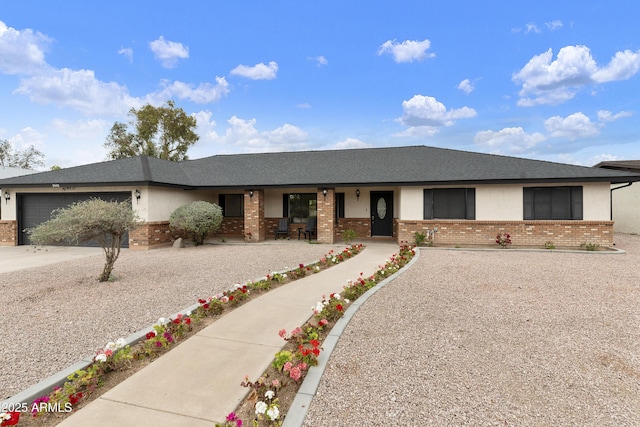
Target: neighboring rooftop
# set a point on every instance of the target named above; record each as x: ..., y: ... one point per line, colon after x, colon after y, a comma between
x: 621, y: 165
x: 417, y: 165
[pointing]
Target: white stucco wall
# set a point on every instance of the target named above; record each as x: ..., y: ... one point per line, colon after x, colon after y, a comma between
x: 505, y: 202
x: 157, y: 203
x: 626, y: 209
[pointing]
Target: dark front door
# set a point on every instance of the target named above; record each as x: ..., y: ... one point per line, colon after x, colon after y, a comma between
x: 382, y: 213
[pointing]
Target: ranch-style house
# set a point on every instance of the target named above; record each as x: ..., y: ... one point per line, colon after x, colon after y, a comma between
x: 377, y: 192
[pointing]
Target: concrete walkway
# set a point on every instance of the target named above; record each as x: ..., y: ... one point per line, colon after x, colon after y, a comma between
x: 198, y: 382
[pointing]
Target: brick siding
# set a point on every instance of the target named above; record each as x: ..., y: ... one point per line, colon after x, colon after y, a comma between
x: 523, y: 233
x: 362, y: 226
x: 151, y: 235
x: 8, y: 233
x: 231, y: 227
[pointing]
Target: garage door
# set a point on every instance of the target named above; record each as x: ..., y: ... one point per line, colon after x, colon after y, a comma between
x: 34, y: 209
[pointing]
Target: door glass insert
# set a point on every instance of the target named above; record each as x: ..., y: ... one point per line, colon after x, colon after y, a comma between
x: 381, y: 208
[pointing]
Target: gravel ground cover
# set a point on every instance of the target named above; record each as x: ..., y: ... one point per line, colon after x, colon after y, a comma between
x: 502, y: 338
x: 53, y: 316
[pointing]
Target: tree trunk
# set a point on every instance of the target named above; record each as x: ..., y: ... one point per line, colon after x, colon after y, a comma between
x: 111, y: 253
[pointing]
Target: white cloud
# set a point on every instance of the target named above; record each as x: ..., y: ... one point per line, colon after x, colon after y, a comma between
x: 26, y: 138
x: 127, y: 52
x: 574, y: 126
x: 89, y: 130
x: 351, y: 143
x: 548, y: 81
x: 427, y: 111
x: 407, y: 51
x: 466, y: 86
x: 304, y: 105
x: 418, y: 132
x: 554, y: 25
x: 168, y: 52
x: 531, y: 28
x: 21, y: 52
x: 204, y: 93
x: 319, y: 60
x: 513, y: 140
x: 608, y: 116
x: 244, y: 134
x: 205, y: 127
x: 257, y: 72
x: 77, y: 89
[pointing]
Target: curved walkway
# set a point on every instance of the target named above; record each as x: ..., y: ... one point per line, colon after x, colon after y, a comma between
x: 197, y: 383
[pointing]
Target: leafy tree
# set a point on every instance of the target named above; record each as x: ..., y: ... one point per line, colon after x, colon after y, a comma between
x: 29, y: 158
x: 196, y: 220
x: 91, y: 220
x: 165, y: 132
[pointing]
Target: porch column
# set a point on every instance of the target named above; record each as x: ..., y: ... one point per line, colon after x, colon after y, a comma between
x: 254, y: 226
x: 326, y: 208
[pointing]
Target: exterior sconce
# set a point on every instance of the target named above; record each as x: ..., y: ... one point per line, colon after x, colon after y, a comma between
x: 324, y: 192
x: 7, y: 197
x: 137, y: 194
x: 358, y: 194
x: 251, y: 194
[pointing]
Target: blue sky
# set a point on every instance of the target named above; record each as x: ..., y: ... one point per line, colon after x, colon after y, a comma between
x: 548, y: 80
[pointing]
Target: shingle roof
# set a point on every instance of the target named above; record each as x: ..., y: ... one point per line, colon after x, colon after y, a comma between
x: 371, y: 166
x: 622, y: 165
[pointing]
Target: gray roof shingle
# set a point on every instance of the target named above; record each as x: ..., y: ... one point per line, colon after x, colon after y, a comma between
x: 371, y: 166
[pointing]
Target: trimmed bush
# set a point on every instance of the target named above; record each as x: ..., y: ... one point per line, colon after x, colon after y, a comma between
x: 196, y: 220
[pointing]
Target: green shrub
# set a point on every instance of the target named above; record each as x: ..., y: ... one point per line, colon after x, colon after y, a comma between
x: 590, y: 246
x: 196, y: 220
x: 349, y: 236
x: 419, y: 238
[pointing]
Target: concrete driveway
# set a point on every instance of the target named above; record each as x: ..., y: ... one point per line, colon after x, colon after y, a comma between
x: 14, y: 258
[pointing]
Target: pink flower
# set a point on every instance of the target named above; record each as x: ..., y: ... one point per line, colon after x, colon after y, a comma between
x: 323, y: 322
x: 275, y: 383
x: 295, y: 373
x: 287, y: 366
x: 282, y: 333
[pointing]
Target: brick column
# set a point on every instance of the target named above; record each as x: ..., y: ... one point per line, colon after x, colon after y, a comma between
x: 8, y: 233
x: 254, y: 224
x: 326, y: 209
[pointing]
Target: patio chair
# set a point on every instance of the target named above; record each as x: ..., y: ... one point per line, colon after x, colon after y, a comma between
x: 309, y: 229
x: 283, y: 228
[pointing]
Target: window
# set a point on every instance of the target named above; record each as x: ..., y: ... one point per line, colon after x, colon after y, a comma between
x: 232, y: 205
x: 299, y: 206
x: 450, y: 203
x: 559, y: 203
x: 339, y: 204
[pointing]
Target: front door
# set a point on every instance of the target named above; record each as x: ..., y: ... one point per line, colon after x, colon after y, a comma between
x: 382, y: 213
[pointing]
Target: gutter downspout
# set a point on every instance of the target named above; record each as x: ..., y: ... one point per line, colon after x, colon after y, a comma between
x: 611, y: 198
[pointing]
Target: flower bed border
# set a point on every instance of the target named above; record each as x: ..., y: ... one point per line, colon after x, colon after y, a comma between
x: 48, y: 386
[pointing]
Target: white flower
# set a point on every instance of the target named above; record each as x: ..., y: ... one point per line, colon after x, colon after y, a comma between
x: 273, y: 413
x: 317, y: 268
x: 269, y: 394
x: 188, y: 313
x: 101, y: 357
x: 5, y: 416
x: 237, y: 286
x: 336, y: 296
x: 319, y: 306
x: 162, y: 321
x: 347, y: 301
x: 261, y: 407
x: 111, y: 346
x: 121, y: 343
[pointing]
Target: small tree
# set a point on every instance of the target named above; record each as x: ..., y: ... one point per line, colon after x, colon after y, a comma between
x: 196, y: 220
x: 92, y: 220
